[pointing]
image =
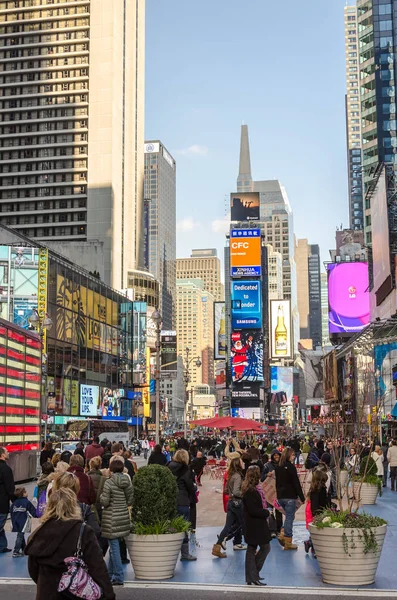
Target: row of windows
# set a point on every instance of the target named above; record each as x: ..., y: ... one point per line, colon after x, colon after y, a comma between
x: 39, y: 219
x: 45, y: 51
x: 43, y: 205
x: 44, y: 153
x: 43, y: 166
x: 35, y: 232
x: 40, y: 126
x: 47, y: 101
x: 44, y: 139
x: 44, y: 89
x: 40, y: 179
x: 27, y: 39
x: 44, y: 192
x: 53, y: 75
x: 43, y: 63
x: 9, y: 4
x: 44, y: 14
x: 45, y: 26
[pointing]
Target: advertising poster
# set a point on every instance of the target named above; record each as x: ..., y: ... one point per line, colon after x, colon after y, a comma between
x: 330, y: 377
x: 89, y: 398
x: 246, y: 305
x: 281, y: 385
x: 280, y: 329
x: 219, y: 331
x: 245, y: 206
x: 385, y: 359
x: 246, y: 356
x: 245, y: 395
x: 380, y: 233
x: 168, y: 361
x: 348, y: 297
x: 110, y: 402
x: 245, y: 252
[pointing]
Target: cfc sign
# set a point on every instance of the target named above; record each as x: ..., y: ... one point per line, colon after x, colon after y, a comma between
x: 245, y: 253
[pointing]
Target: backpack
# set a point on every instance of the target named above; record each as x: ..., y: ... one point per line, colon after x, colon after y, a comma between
x: 312, y: 460
x: 41, y: 503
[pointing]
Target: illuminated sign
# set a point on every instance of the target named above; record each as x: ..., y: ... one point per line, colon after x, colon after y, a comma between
x: 89, y: 400
x: 348, y: 297
x: 245, y: 252
x: 246, y: 356
x: 246, y: 305
x: 280, y: 329
x: 244, y: 206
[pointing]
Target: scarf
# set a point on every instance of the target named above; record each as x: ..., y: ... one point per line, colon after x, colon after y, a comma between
x: 262, y: 495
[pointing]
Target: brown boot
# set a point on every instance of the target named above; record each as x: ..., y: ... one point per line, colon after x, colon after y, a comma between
x: 217, y: 551
x: 281, y: 538
x: 288, y: 545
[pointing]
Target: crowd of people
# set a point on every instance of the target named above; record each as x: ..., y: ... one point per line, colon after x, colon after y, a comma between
x: 94, y: 486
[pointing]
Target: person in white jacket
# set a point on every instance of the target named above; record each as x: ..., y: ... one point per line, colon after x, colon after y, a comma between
x: 392, y: 460
x: 377, y: 455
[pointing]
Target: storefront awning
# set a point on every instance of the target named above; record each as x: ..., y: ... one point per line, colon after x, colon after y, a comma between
x: 394, y: 411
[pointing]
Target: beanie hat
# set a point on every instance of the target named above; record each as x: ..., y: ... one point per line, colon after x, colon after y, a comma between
x: 326, y: 458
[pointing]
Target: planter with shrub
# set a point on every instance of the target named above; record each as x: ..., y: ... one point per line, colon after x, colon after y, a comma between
x: 348, y: 546
x: 367, y: 484
x: 157, y: 531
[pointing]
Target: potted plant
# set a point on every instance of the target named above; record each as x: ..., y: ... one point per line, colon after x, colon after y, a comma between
x: 348, y: 546
x: 366, y: 485
x: 157, y: 531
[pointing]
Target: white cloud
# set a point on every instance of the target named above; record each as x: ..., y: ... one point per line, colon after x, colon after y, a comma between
x: 195, y: 150
x: 187, y: 224
x: 221, y: 225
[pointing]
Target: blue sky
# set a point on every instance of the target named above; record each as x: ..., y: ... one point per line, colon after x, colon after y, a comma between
x: 277, y: 66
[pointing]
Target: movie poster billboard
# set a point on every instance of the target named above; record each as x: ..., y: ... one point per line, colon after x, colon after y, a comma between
x: 280, y: 329
x: 246, y: 356
x: 246, y: 304
x: 219, y: 331
x: 245, y: 253
x: 348, y: 297
x: 168, y: 352
x: 245, y: 206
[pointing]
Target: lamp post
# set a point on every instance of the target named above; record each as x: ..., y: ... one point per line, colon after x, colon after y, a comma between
x: 186, y: 379
x: 42, y: 325
x: 157, y: 319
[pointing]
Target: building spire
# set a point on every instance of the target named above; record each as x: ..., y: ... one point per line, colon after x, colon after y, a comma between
x: 244, y: 180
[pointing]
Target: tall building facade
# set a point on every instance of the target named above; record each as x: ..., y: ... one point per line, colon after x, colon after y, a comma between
x: 308, y: 269
x: 203, y: 264
x: 160, y: 226
x: 195, y: 328
x: 71, y: 136
x: 353, y: 120
x: 324, y: 309
x: 275, y: 273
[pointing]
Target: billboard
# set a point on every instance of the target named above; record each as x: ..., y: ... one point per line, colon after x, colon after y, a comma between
x: 168, y: 368
x: 244, y: 206
x: 380, y: 233
x: 89, y: 400
x: 245, y: 252
x: 246, y: 305
x: 245, y: 395
x: 330, y: 377
x: 281, y: 385
x: 219, y: 331
x: 246, y: 356
x: 280, y: 329
x: 110, y: 402
x: 348, y: 297
x: 385, y: 358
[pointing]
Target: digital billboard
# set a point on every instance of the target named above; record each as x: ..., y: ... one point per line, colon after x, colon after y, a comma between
x: 219, y: 331
x: 246, y: 356
x: 245, y: 252
x: 246, y: 304
x: 282, y: 385
x: 89, y: 400
x: 330, y: 377
x: 385, y: 358
x: 348, y: 297
x: 168, y: 367
x: 245, y: 395
x: 110, y: 402
x: 280, y: 329
x: 380, y: 233
x: 244, y: 206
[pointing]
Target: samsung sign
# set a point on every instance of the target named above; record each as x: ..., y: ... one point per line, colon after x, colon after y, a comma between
x: 246, y: 304
x: 152, y: 147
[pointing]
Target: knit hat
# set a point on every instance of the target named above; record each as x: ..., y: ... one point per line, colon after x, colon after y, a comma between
x: 326, y: 458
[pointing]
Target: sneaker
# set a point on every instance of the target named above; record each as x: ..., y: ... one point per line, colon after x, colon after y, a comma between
x: 189, y: 557
x: 4, y: 550
x: 307, y: 546
x: 239, y: 547
x: 17, y: 554
x: 273, y: 535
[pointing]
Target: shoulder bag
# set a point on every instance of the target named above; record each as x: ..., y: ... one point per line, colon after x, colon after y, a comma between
x: 76, y: 582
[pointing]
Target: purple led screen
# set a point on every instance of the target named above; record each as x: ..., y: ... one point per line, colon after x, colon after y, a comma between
x: 348, y: 297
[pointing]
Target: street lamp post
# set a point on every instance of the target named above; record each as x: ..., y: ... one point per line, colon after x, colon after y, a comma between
x: 157, y: 319
x: 186, y: 379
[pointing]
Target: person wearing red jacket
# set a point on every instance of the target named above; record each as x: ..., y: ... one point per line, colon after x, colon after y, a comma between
x: 87, y: 493
x: 94, y: 449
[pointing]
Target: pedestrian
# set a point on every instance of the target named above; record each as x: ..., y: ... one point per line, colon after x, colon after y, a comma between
x: 7, y: 491
x: 392, y: 460
x: 47, y: 453
x: 268, y: 472
x: 377, y: 455
x: 157, y: 457
x: 46, y: 476
x: 87, y: 490
x: 22, y: 510
x: 234, y: 515
x: 116, y: 525
x: 56, y: 540
x: 385, y: 448
x: 80, y: 451
x: 198, y: 465
x: 128, y: 459
x: 317, y: 501
x: 256, y: 529
x: 167, y: 452
x: 289, y: 490
x: 179, y: 467
x: 145, y: 447
x: 94, y: 449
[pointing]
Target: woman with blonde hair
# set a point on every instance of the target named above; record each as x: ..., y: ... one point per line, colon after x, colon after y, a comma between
x: 55, y: 459
x: 55, y: 540
x: 179, y: 467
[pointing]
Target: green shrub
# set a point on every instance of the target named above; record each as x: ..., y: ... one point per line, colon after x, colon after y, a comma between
x: 155, y: 494
x: 175, y: 525
x: 368, y: 466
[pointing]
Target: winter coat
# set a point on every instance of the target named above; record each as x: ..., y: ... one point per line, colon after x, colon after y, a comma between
x: 287, y: 482
x: 157, y: 458
x: 43, y: 482
x: 256, y: 529
x: 7, y: 487
x: 184, y: 481
x: 45, y: 456
x: 233, y: 486
x: 19, y: 513
x: 47, y: 549
x: 115, y: 499
x: 319, y: 501
x: 91, y: 451
x: 392, y: 456
x: 98, y: 481
x: 378, y: 458
x: 87, y: 491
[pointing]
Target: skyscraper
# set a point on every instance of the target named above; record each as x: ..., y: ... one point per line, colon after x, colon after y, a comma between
x: 205, y: 265
x: 353, y: 120
x: 160, y: 245
x: 324, y: 309
x: 308, y: 270
x: 71, y: 136
x: 244, y: 180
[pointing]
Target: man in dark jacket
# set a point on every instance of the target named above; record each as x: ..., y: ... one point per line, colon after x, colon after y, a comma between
x: 7, y: 490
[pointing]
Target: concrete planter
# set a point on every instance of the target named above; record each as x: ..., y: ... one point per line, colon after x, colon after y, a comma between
x: 154, y: 556
x: 337, y: 567
x: 365, y: 493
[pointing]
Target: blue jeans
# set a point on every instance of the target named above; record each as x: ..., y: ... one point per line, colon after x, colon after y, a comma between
x: 234, y: 523
x: 20, y: 543
x: 184, y: 511
x: 115, y: 567
x: 289, y: 505
x: 3, y: 539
